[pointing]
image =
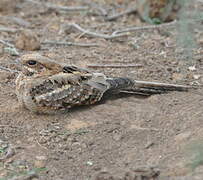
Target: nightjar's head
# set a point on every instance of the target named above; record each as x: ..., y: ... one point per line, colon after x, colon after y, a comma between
x: 38, y: 65
x: 35, y: 64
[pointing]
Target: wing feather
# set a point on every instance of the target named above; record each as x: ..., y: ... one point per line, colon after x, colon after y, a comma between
x: 71, y: 89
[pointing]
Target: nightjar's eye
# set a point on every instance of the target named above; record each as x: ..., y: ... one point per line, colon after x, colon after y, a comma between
x: 32, y: 62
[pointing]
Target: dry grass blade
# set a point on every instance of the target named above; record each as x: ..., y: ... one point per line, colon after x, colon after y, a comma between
x: 70, y: 44
x: 9, y: 30
x: 6, y: 43
x: 131, y: 29
x: 62, y: 8
x: 94, y: 34
x: 113, y: 65
x: 115, y: 16
x: 16, y: 20
x: 97, y: 7
x: 7, y: 69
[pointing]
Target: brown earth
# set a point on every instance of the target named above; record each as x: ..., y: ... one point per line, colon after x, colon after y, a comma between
x: 117, y: 135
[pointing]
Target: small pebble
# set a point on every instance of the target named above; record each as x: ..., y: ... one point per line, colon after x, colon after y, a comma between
x: 27, y: 40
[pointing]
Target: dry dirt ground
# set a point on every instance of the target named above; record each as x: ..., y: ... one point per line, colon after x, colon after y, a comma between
x: 119, y: 134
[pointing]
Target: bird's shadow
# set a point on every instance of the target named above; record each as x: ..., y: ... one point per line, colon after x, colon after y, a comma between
x: 105, y: 98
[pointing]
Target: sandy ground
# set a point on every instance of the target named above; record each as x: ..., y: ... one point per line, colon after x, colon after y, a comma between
x: 119, y: 134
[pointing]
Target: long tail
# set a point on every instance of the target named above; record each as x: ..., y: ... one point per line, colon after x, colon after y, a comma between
x: 146, y: 88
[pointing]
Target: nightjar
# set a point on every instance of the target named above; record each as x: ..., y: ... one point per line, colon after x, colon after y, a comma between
x: 46, y: 86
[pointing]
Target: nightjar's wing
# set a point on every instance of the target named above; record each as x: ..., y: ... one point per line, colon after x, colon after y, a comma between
x: 73, y: 69
x: 65, y: 90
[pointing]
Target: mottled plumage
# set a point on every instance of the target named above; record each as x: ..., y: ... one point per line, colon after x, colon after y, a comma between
x: 46, y: 86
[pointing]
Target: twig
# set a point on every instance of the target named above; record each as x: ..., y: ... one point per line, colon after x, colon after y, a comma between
x: 16, y: 20
x: 62, y: 8
x: 102, y: 10
x: 9, y: 30
x: 118, y: 61
x: 10, y: 48
x: 10, y: 152
x: 142, y: 128
x: 131, y: 29
x: 96, y: 6
x: 113, y: 65
x: 2, y: 125
x: 70, y: 44
x: 6, y: 43
x: 173, y: 23
x: 9, y: 70
x: 34, y: 2
x: 115, y: 16
x: 41, y: 145
x: 68, y: 8
x: 94, y: 34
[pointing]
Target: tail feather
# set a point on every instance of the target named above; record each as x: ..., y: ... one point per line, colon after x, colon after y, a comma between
x: 162, y: 86
x: 120, y: 83
x: 126, y: 85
